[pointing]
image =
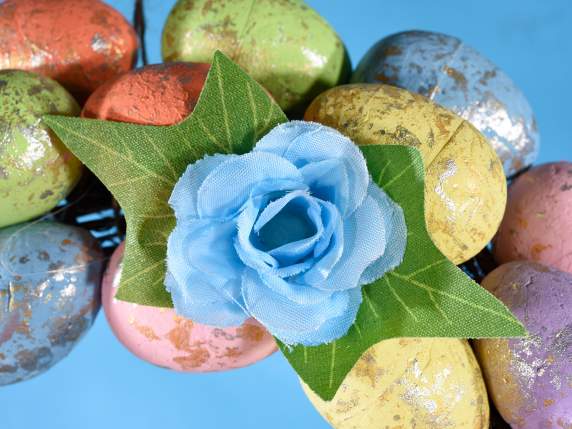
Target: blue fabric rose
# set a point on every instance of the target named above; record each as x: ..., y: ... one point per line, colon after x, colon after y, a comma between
x: 287, y: 234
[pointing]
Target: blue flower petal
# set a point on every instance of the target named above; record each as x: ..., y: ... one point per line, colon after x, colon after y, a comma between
x: 299, y: 293
x: 303, y: 143
x: 205, y: 246
x: 249, y: 254
x: 333, y: 328
x: 278, y: 225
x: 328, y: 180
x: 227, y: 188
x: 364, y: 243
x: 292, y: 322
x: 183, y: 200
x: 221, y: 312
x: 329, y: 249
x: 396, y: 237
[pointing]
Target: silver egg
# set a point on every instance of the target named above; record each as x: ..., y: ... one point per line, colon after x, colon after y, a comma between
x: 456, y: 76
x: 49, y: 295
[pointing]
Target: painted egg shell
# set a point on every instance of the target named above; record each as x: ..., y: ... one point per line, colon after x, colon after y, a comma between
x: 36, y: 170
x: 538, y: 221
x: 159, y: 94
x: 458, y: 77
x: 159, y: 336
x: 80, y: 43
x: 49, y: 295
x: 530, y: 379
x: 283, y: 44
x: 465, y: 187
x: 410, y: 383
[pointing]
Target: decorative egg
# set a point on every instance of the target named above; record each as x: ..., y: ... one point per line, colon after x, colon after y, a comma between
x: 465, y: 187
x: 79, y: 43
x: 459, y: 78
x: 49, y: 295
x: 36, y: 170
x: 530, y: 379
x: 283, y: 44
x: 159, y: 94
x: 537, y: 225
x: 423, y: 383
x: 160, y: 336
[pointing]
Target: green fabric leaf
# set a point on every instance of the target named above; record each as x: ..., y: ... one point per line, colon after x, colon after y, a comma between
x: 141, y: 164
x: 426, y: 296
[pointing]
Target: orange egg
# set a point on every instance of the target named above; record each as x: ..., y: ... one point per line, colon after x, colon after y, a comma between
x: 158, y: 94
x: 79, y: 43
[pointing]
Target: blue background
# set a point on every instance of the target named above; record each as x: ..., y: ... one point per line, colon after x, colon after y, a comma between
x: 100, y: 385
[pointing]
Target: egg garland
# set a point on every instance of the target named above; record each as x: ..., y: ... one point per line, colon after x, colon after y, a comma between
x: 36, y: 169
x: 49, y: 295
x: 80, y: 43
x: 529, y: 378
x: 458, y: 77
x: 410, y: 382
x: 164, y: 94
x: 284, y: 45
x: 191, y: 193
x: 161, y: 337
x: 538, y: 218
x: 103, y: 107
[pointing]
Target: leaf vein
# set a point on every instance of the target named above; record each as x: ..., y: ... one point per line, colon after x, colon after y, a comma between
x: 400, y: 300
x: 223, y: 105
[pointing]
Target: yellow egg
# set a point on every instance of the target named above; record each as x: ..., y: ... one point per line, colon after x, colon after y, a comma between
x: 465, y: 186
x: 422, y: 383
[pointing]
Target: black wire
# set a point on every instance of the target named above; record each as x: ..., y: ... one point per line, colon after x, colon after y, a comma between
x: 139, y: 24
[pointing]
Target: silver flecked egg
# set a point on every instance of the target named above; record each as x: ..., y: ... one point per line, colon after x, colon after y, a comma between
x: 456, y: 76
x: 49, y: 295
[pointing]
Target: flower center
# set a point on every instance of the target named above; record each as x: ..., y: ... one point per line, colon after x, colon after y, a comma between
x: 291, y: 224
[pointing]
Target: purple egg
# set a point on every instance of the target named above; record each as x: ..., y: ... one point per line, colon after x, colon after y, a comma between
x: 530, y: 379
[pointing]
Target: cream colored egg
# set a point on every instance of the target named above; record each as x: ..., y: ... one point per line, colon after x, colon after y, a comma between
x: 465, y: 186
x: 422, y: 383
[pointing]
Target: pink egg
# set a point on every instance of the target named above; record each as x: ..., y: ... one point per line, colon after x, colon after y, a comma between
x: 537, y: 224
x: 161, y: 337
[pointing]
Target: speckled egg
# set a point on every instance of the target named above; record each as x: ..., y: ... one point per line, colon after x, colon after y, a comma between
x: 36, y: 170
x: 49, y: 295
x: 465, y: 186
x: 158, y: 94
x: 283, y: 44
x: 159, y: 336
x: 537, y: 225
x: 79, y: 43
x: 410, y: 383
x: 458, y: 77
x: 530, y: 379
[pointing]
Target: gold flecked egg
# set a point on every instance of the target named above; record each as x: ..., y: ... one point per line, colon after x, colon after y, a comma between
x: 422, y: 383
x: 465, y: 186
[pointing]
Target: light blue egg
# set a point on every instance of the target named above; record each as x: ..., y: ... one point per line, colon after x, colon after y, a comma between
x: 459, y: 78
x: 49, y: 295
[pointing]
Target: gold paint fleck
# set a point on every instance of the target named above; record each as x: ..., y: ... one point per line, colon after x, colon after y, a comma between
x: 536, y: 249
x: 146, y: 331
x: 232, y: 353
x: 194, y: 359
x: 457, y: 76
x: 179, y: 335
x: 251, y: 332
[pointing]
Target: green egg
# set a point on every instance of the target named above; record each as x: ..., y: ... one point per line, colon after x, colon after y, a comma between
x: 283, y: 44
x: 36, y: 170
